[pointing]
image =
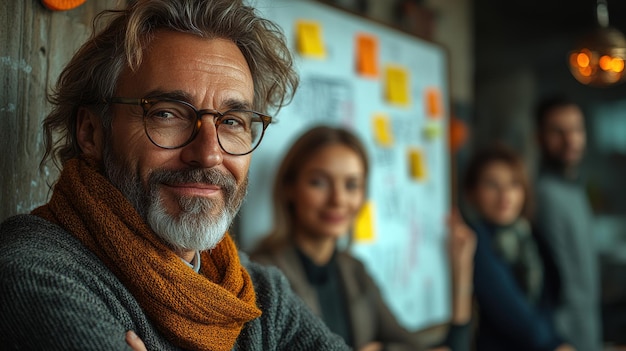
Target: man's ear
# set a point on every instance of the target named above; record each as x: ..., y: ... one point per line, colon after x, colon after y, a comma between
x: 89, y: 133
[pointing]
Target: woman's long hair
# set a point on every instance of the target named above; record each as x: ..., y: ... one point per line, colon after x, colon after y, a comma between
x: 301, y: 152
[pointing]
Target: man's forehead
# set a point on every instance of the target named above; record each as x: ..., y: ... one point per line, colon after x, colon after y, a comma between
x: 188, y: 63
x: 569, y: 114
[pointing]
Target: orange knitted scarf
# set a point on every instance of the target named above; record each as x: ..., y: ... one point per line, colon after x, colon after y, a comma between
x: 194, y: 311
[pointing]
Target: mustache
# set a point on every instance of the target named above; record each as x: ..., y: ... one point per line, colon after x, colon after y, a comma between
x: 194, y: 175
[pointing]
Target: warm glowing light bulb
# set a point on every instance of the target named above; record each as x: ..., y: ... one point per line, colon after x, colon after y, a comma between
x: 606, y: 63
x: 582, y: 59
x: 599, y: 58
x: 617, y: 64
x: 585, y: 71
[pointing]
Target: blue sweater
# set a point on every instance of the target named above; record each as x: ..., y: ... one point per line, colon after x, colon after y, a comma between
x: 508, y: 321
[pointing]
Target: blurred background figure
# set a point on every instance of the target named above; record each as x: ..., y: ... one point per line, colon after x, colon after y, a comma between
x: 515, y: 282
x: 565, y: 219
x: 319, y: 189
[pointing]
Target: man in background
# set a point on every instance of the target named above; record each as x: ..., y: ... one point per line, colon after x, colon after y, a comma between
x: 565, y: 219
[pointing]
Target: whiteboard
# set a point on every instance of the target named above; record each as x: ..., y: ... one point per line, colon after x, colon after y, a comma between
x: 407, y: 256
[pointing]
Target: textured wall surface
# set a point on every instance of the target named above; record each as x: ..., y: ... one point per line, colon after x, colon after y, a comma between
x: 35, y: 45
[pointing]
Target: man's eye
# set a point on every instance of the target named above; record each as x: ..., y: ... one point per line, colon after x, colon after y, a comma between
x: 233, y: 122
x: 164, y: 114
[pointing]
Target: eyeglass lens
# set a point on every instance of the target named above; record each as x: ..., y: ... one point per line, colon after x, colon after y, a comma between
x: 172, y: 124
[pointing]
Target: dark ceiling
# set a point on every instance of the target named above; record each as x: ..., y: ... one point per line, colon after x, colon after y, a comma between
x: 550, y: 15
x: 509, y: 30
x: 539, y: 35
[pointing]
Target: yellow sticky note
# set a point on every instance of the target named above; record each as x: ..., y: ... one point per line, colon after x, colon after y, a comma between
x: 383, y: 134
x: 434, y: 108
x: 364, y: 230
x: 367, y: 55
x: 417, y: 164
x: 309, y: 40
x: 397, y: 85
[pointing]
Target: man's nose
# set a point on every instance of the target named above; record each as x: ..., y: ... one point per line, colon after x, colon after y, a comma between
x: 204, y: 151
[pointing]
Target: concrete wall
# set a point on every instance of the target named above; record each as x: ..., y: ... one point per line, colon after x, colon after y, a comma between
x: 36, y: 44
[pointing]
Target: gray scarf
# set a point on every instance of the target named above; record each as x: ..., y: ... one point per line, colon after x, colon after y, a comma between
x: 516, y: 245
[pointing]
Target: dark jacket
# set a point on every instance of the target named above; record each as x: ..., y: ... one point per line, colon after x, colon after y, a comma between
x: 508, y: 320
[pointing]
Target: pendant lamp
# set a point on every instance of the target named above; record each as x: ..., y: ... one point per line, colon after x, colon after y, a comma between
x: 598, y: 59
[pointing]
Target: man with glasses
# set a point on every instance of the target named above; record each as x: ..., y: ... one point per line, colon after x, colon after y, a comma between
x: 153, y: 124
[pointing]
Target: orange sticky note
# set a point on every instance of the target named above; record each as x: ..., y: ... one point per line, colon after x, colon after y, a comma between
x: 433, y: 103
x: 417, y: 166
x: 364, y: 230
x: 309, y: 40
x: 383, y: 134
x: 397, y: 85
x: 367, y: 55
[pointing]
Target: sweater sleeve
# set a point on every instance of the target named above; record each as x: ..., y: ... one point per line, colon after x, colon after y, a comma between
x: 45, y: 298
x: 553, y: 223
x: 502, y: 302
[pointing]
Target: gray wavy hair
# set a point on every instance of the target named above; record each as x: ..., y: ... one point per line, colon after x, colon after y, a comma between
x: 92, y: 74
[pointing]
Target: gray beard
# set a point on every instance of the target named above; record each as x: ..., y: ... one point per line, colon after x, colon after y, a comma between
x: 201, y: 222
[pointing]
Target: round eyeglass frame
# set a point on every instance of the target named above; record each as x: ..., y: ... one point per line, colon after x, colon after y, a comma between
x: 145, y: 104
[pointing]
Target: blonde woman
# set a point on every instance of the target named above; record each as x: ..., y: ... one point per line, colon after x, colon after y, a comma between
x: 319, y: 188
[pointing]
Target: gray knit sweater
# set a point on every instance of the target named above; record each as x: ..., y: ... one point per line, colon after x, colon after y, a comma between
x: 56, y: 295
x: 565, y: 219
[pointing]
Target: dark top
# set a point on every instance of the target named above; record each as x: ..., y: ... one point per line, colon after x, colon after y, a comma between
x: 326, y: 281
x: 508, y: 320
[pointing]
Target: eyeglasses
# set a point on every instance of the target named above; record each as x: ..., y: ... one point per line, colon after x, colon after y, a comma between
x: 171, y: 124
